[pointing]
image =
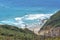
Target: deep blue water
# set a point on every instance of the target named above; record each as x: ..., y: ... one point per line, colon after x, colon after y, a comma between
x: 10, y: 9
x: 14, y: 8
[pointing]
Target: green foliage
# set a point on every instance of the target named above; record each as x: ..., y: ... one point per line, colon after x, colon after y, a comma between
x: 14, y: 33
x: 6, y: 33
x: 54, y: 21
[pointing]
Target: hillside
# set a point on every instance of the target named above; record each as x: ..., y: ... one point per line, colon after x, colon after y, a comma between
x: 52, y: 26
x: 8, y: 32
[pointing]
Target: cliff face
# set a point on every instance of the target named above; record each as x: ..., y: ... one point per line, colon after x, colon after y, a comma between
x: 52, y: 26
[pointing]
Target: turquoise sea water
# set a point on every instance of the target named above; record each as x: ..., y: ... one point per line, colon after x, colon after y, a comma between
x: 14, y: 8
x: 6, y: 13
x: 10, y: 9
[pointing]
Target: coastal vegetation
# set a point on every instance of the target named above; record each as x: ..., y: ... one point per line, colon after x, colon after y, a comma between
x: 50, y: 31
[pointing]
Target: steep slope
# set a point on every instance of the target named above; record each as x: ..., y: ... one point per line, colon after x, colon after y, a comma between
x: 53, y: 24
x: 8, y: 32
